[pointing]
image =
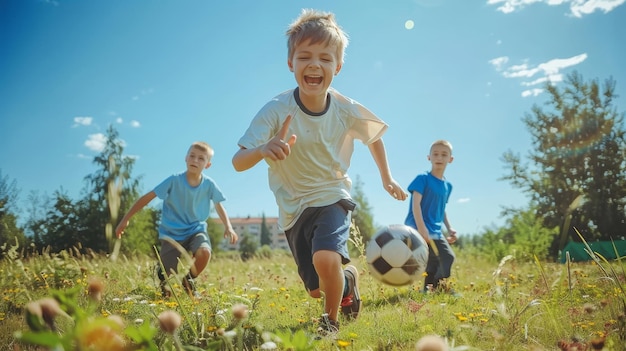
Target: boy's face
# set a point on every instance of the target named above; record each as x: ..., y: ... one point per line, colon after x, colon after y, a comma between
x: 197, y: 160
x: 440, y: 156
x: 314, y: 67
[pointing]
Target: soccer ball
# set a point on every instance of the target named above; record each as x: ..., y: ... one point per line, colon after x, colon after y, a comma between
x: 397, y: 255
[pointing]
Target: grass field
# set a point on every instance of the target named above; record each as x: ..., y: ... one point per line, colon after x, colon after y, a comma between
x: 254, y: 305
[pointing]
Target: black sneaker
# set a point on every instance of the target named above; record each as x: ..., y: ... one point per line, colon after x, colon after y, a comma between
x: 165, y: 291
x: 327, y: 327
x: 190, y: 286
x: 351, y: 304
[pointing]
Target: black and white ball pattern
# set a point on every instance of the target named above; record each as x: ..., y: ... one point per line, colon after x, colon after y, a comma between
x: 397, y: 255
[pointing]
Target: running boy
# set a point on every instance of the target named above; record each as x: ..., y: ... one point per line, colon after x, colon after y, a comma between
x: 430, y: 192
x: 187, y: 200
x: 309, y: 177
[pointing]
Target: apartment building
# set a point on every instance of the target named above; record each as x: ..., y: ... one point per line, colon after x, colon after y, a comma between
x: 252, y: 226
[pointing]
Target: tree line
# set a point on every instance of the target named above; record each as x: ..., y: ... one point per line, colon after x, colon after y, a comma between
x: 574, y: 177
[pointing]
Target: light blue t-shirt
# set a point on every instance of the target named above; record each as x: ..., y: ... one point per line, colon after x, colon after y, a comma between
x: 185, y: 208
x: 435, y: 194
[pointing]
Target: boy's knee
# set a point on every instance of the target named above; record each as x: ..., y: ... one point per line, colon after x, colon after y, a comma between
x: 203, y: 252
x: 326, y: 260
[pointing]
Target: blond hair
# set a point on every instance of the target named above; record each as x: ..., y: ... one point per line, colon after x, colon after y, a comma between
x: 442, y: 143
x: 202, y: 146
x: 318, y: 27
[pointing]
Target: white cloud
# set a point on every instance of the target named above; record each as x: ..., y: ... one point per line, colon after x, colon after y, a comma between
x: 96, y: 142
x: 578, y: 8
x: 549, y: 71
x: 463, y: 200
x: 553, y: 66
x: 82, y: 121
x: 498, y: 62
x: 135, y: 124
x: 119, y: 120
x: 532, y: 92
x: 535, y: 82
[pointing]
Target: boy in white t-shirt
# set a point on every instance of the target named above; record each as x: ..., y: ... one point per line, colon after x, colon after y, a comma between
x: 309, y: 176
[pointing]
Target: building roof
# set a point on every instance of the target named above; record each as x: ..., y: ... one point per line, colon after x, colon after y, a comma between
x: 248, y: 220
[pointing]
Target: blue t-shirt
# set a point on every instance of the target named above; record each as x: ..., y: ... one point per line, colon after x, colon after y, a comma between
x: 435, y: 194
x: 185, y: 208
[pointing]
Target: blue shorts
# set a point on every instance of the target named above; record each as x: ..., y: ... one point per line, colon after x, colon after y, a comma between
x: 171, y: 252
x: 320, y: 228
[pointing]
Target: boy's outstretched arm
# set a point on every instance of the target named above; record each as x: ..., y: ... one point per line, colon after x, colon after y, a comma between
x: 377, y: 149
x: 136, y: 207
x: 229, y: 232
x: 418, y: 216
x: 275, y: 149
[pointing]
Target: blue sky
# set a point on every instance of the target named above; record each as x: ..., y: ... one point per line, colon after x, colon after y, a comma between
x: 166, y: 73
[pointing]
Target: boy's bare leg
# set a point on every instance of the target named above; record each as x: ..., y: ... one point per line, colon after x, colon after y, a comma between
x: 328, y: 267
x: 201, y: 259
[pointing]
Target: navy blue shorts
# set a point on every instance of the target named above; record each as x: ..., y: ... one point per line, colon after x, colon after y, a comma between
x: 170, y: 252
x: 320, y: 228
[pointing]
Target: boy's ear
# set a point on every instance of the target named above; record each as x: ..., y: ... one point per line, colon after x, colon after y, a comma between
x: 338, y: 68
x: 290, y: 64
x: 207, y: 165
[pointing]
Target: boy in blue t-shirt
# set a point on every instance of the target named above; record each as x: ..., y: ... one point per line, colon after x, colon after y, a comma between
x: 187, y: 200
x: 430, y: 192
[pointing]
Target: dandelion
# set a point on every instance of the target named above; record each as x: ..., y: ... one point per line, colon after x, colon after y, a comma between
x: 343, y: 344
x: 100, y: 336
x: 49, y: 310
x: 240, y: 311
x: 94, y: 289
x: 589, y: 308
x: 269, y: 345
x: 169, y: 321
x: 431, y: 343
x: 119, y: 321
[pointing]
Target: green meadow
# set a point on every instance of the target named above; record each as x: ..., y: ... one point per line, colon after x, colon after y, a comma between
x: 105, y: 303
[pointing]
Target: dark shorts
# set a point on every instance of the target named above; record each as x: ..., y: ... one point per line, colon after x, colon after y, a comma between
x: 170, y: 253
x: 439, y: 265
x: 320, y: 228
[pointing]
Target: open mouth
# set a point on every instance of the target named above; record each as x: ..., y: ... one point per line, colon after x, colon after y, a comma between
x: 313, y: 80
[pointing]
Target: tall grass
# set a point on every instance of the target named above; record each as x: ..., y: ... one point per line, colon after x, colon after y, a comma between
x: 261, y: 303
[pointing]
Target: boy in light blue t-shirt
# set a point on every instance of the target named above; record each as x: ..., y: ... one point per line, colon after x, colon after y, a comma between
x: 187, y: 201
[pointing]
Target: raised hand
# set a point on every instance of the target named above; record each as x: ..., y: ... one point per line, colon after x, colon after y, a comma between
x: 277, y: 148
x: 394, y: 189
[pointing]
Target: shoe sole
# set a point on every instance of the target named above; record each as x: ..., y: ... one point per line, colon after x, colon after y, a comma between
x: 348, y: 310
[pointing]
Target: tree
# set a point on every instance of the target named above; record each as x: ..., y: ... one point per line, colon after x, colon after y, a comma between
x: 109, y: 191
x: 248, y: 245
x: 62, y: 228
x: 362, y: 214
x: 265, y: 233
x: 9, y: 230
x: 215, y: 230
x: 575, y: 174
